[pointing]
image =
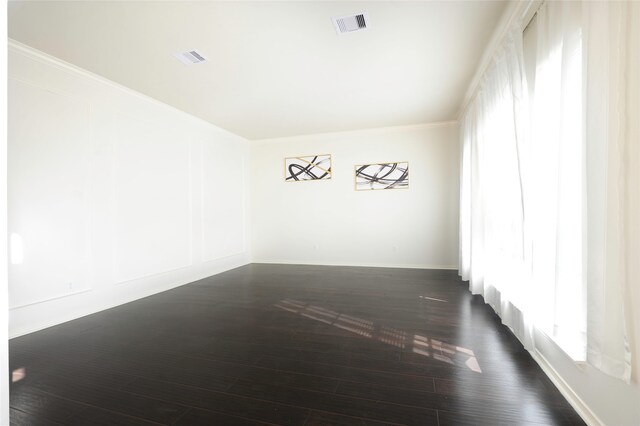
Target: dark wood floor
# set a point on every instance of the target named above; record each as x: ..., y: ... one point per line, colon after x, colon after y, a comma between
x: 295, y: 345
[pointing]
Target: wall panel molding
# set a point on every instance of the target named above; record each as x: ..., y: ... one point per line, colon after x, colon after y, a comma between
x: 140, y: 192
x: 48, y: 199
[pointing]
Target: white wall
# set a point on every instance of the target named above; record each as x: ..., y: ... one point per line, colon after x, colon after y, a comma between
x: 4, y: 285
x: 600, y: 399
x: 329, y: 223
x: 115, y: 196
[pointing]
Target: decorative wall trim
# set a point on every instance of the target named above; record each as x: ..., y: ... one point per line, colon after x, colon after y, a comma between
x: 85, y: 105
x: 48, y: 299
x: 128, y: 280
x: 105, y: 292
x: 571, y: 396
x: 120, y: 117
x: 203, y: 273
x: 223, y: 256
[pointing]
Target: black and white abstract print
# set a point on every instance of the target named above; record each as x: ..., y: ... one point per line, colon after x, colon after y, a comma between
x: 382, y: 176
x: 313, y: 167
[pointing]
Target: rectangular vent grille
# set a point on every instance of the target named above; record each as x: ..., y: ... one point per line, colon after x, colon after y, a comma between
x: 351, y: 23
x: 190, y: 57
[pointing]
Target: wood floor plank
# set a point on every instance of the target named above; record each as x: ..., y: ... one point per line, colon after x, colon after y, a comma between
x: 206, y: 373
x: 41, y: 405
x: 287, y: 344
x: 364, y: 408
x: 20, y: 418
x: 350, y: 373
x: 94, y: 416
x: 504, y: 412
x: 221, y: 402
x: 196, y: 417
x: 113, y: 400
x: 447, y: 418
x: 320, y: 418
x: 81, y: 373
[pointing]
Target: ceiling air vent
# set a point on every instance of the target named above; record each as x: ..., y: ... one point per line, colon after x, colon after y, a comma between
x: 190, y: 57
x: 351, y: 23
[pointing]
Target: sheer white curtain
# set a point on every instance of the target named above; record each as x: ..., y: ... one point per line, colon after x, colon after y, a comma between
x: 612, y: 47
x: 494, y: 137
x: 558, y: 188
x: 542, y: 223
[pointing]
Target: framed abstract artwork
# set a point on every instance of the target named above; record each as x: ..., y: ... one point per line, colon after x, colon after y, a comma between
x: 382, y: 176
x: 312, y: 167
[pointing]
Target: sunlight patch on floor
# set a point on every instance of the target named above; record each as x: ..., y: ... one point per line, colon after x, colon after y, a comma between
x: 416, y: 343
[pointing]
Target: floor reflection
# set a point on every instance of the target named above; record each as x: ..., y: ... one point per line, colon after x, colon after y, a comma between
x: 18, y: 374
x: 418, y: 344
x: 432, y: 298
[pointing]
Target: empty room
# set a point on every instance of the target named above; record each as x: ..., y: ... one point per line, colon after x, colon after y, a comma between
x: 321, y: 213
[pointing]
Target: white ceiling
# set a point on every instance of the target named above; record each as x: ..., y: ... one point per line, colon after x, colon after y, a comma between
x: 275, y: 68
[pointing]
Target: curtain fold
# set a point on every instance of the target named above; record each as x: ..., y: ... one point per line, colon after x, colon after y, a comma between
x: 494, y: 144
x: 558, y: 190
x: 608, y: 54
x: 542, y: 201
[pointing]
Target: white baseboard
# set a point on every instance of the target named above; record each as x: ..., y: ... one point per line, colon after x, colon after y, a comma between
x: 360, y: 265
x: 583, y: 410
x: 35, y: 317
